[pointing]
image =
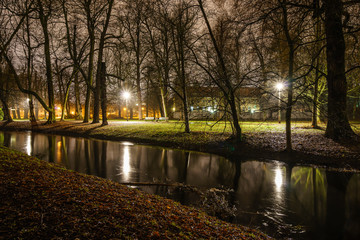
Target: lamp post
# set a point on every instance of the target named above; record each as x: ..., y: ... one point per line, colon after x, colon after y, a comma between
x: 126, y: 95
x: 279, y: 87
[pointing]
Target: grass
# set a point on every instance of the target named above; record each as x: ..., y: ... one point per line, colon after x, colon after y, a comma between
x: 261, y: 139
x: 45, y: 201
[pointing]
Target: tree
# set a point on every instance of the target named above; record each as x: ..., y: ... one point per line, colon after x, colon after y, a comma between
x: 159, y: 35
x: 338, y: 127
x: 44, y: 13
x: 223, y: 80
x: 4, y: 95
x: 76, y: 49
x: 133, y: 23
x: 183, y: 23
x: 103, y: 93
x: 7, y: 41
x: 99, y: 76
x: 29, y: 67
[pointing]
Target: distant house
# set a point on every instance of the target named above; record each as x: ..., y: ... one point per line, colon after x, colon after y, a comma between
x: 208, y: 103
x: 249, y: 102
x: 252, y: 104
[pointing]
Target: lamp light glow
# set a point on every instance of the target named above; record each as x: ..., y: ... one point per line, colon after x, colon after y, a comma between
x: 279, y: 86
x: 126, y: 95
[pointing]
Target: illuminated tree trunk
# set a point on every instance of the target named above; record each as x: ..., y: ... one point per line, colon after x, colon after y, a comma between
x: 90, y: 75
x: 29, y: 71
x: 338, y: 127
x: 290, y: 77
x: 315, y: 112
x: 138, y: 66
x: 103, y: 94
x: 98, y: 79
x: 44, y: 18
x: 78, y: 110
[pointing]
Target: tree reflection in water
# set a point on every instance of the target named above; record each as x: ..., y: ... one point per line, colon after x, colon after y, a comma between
x: 283, y: 200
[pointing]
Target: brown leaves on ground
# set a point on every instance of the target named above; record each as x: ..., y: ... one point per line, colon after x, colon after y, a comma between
x: 308, y: 143
x: 44, y: 201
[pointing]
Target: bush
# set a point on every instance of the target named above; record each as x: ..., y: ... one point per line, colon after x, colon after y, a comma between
x: 1, y: 114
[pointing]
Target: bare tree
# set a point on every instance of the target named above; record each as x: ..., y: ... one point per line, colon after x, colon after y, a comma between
x: 183, y: 24
x: 45, y: 11
x: 159, y: 37
x: 4, y: 96
x: 7, y: 38
x: 223, y: 80
x: 133, y: 23
x: 99, y: 73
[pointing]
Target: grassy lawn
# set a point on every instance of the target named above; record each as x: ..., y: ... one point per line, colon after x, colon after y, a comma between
x: 260, y: 139
x: 225, y: 127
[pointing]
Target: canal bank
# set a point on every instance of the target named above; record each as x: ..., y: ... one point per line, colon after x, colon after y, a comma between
x: 45, y: 201
x: 282, y: 200
x: 310, y: 146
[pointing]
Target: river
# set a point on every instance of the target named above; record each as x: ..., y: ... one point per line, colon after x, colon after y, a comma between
x: 297, y: 202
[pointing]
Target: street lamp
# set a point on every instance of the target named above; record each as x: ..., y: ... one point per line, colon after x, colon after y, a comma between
x: 126, y: 95
x: 279, y: 87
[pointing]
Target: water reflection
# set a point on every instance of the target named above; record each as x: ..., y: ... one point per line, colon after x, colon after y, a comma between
x: 283, y: 200
x: 278, y: 179
x: 28, y: 145
x: 126, y: 164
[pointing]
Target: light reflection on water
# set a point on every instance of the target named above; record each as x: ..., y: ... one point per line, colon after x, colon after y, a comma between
x: 126, y: 164
x: 28, y: 145
x: 278, y: 179
x: 292, y: 201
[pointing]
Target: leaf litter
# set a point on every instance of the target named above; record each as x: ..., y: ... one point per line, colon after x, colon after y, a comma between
x: 40, y: 200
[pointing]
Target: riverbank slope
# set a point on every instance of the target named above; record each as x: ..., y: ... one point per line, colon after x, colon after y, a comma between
x: 45, y: 201
x: 262, y: 140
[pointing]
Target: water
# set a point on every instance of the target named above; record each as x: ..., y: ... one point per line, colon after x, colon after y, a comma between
x: 284, y: 201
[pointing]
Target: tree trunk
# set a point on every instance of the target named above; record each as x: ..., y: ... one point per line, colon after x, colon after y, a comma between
x: 290, y: 80
x: 315, y: 116
x: 49, y: 78
x: 13, y: 111
x: 37, y: 111
x: 338, y: 127
x: 97, y: 90
x: 87, y: 105
x: 162, y: 81
x: 103, y: 94
x: 179, y: 42
x: 66, y: 97
x: 29, y: 71
x: 78, y: 110
x: 90, y: 77
x: 235, y: 119
x: 6, y: 110
x: 147, y: 98
x: 138, y: 67
x: 96, y: 106
x: 4, y: 96
x: 315, y: 111
x: 289, y: 105
x: 229, y: 89
x: 18, y: 111
x: 31, y: 110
